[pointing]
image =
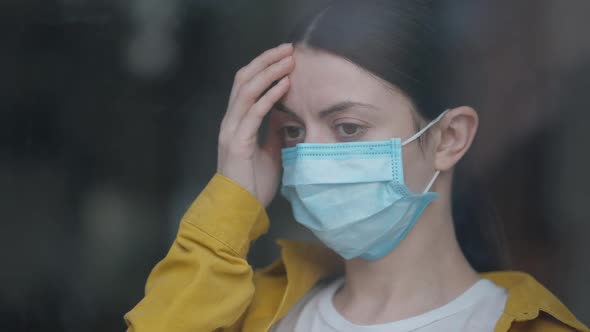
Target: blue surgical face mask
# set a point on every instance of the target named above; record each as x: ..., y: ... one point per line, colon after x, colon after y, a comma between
x: 352, y: 196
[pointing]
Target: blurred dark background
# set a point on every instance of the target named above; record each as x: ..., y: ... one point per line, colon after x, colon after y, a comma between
x: 109, y: 112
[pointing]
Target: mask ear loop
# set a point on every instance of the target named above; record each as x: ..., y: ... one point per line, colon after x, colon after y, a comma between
x: 431, y: 182
x: 418, y: 134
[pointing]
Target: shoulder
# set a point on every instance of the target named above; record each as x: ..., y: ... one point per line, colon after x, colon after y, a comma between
x: 530, y: 306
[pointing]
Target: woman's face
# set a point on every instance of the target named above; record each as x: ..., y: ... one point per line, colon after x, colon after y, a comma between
x: 332, y: 100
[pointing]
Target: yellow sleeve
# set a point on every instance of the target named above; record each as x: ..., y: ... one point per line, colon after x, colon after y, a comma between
x: 204, y: 283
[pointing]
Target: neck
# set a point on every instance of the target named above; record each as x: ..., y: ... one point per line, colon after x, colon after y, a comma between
x: 425, y: 271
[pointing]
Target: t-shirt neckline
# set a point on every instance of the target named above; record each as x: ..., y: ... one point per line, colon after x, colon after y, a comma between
x: 469, y: 297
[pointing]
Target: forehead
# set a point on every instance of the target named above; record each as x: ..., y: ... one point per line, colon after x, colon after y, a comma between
x: 321, y: 79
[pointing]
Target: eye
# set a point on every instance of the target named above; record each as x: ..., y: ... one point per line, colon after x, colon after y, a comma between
x: 349, y: 130
x: 293, y: 135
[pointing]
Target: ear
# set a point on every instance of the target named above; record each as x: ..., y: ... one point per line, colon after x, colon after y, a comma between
x: 457, y: 130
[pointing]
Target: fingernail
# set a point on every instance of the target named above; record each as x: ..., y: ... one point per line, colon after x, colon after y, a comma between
x: 285, y: 46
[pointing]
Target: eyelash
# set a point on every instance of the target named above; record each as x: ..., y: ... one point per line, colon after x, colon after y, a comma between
x: 359, y: 131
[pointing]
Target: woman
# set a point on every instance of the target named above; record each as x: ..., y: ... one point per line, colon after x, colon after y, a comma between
x: 368, y: 153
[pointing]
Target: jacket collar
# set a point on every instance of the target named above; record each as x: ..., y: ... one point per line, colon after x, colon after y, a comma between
x: 307, y: 263
x: 527, y: 298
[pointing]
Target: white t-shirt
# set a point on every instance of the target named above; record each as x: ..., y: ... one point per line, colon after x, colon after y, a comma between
x: 477, y: 309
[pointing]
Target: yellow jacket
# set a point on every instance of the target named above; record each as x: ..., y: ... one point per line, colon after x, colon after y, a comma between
x: 206, y: 284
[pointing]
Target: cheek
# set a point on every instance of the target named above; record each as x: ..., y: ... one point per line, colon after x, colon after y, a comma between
x: 384, y: 128
x: 417, y: 168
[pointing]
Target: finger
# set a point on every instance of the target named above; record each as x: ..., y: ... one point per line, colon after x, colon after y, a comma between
x: 257, y: 65
x: 250, y: 92
x: 274, y: 139
x: 250, y: 123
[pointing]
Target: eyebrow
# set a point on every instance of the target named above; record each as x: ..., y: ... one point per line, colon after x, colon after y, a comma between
x: 338, y: 107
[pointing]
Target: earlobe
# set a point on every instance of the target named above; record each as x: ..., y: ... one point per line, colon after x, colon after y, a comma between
x: 457, y: 131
